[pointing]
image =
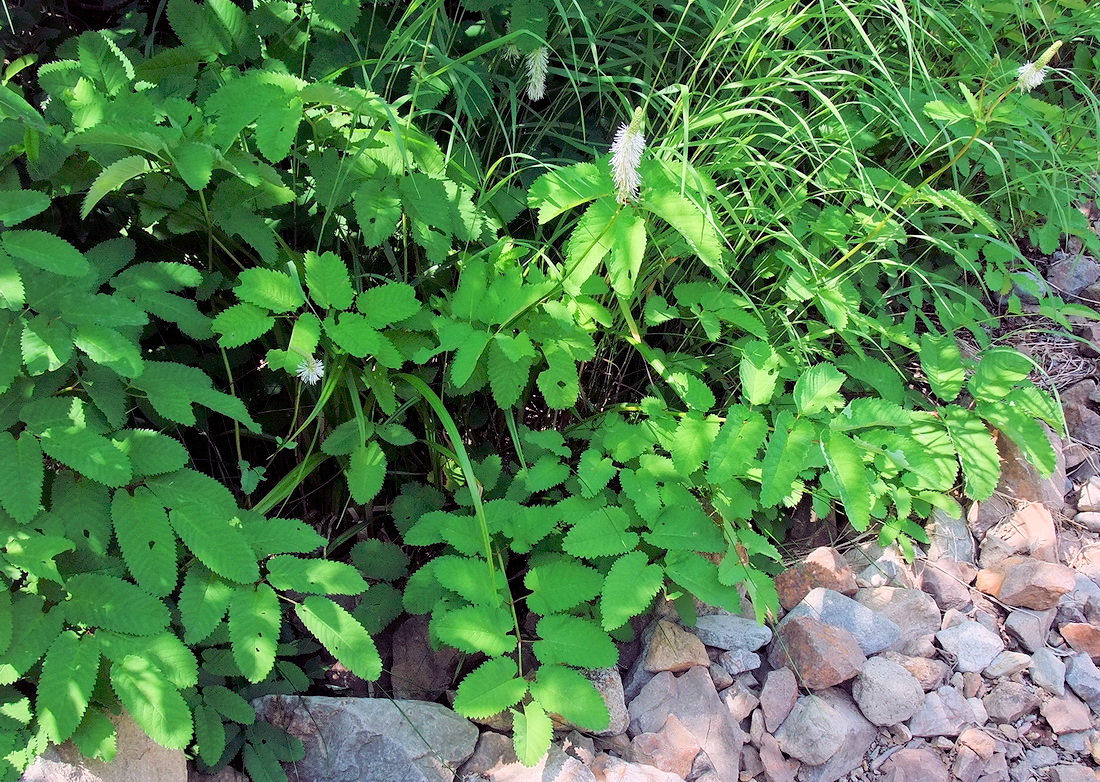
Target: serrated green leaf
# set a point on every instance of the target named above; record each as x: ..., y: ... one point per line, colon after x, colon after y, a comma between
x: 241, y: 324
x: 699, y: 577
x: 560, y: 585
x: 111, y: 179
x: 96, y: 736
x: 269, y: 289
x: 156, y: 705
x: 229, y: 704
x: 817, y: 388
x: 341, y: 635
x: 594, y: 472
x: 629, y: 588
x: 203, y: 600
x: 981, y: 464
x: 532, y: 733
x: 21, y: 489
x: 314, y: 576
x: 942, y: 364
x: 65, y: 684
x: 759, y: 371
x: 685, y: 526
x: 691, y: 442
x: 216, y: 541
x: 45, y: 251
x: 379, y: 559
x: 603, y: 532
x: 388, y: 303
x: 845, y: 462
x: 194, y: 163
x: 33, y: 630
x: 146, y: 539
x: 469, y: 577
x: 561, y: 190
x: 339, y: 15
x: 489, y: 689
x: 573, y: 641
x: 151, y: 453
x: 354, y: 334
x: 738, y: 441
x: 475, y: 629
x: 254, y: 623
x: 328, y: 281
x: 786, y: 456
x: 998, y: 372
x: 277, y: 127
x: 281, y: 536
x: 377, y: 209
x: 98, y: 600
x: 567, y: 693
x: 209, y: 734
x: 366, y: 471
x: 1026, y: 432
x: 19, y: 205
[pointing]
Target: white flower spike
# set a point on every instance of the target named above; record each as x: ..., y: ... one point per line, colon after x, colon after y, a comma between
x: 311, y: 370
x: 538, y: 64
x: 626, y: 156
x: 1031, y: 74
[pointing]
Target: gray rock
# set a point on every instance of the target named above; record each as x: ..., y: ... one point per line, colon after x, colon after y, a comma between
x: 1072, y: 773
x: 973, y: 646
x: 739, y: 661
x: 944, y: 712
x: 1048, y: 671
x: 371, y: 739
x: 887, y: 693
x: 857, y: 740
x: 813, y: 731
x: 495, y: 760
x: 727, y: 631
x: 778, y: 697
x: 949, y: 537
x: 1041, y: 757
x: 1072, y: 272
x: 137, y: 759
x: 608, y: 768
x: 1006, y: 664
x: 1009, y: 701
x: 1084, y: 679
x: 914, y: 612
x: 692, y: 699
x: 420, y: 672
x: 610, y: 686
x: 873, y: 632
x: 1029, y: 627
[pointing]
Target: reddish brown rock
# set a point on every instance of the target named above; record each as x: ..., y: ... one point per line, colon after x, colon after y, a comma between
x: 822, y: 567
x: 979, y: 742
x: 914, y: 765
x: 819, y: 654
x: 778, y: 697
x: 1067, y: 714
x: 671, y: 648
x: 1083, y: 637
x: 673, y: 748
x: 947, y: 581
x: 1029, y: 530
x: 1009, y: 701
x: 777, y: 767
x: 1026, y: 582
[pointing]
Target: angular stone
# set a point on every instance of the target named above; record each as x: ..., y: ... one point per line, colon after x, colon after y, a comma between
x: 1090, y: 520
x: 1072, y: 772
x: 739, y: 700
x: 820, y: 655
x: 859, y: 736
x: 1048, y: 671
x: 778, y: 697
x: 1071, y: 273
x: 1082, y: 637
x: 914, y: 612
x: 739, y: 661
x: 1007, y: 664
x: 608, y: 768
x: 751, y: 765
x: 1084, y: 679
x: 1020, y: 480
x: 886, y: 693
x: 944, y: 712
x: 972, y: 645
x: 949, y: 537
x: 495, y: 760
x: 371, y: 739
x: 727, y: 631
x: 1029, y: 583
x: 967, y: 766
x: 1083, y: 424
x: 137, y: 759
x: 872, y: 631
x: 930, y: 673
x: 915, y: 764
x: 1030, y: 628
x: 1029, y: 530
x: 673, y: 748
x: 822, y: 567
x: 1088, y: 499
x: 1066, y: 714
x: 671, y: 648
x: 720, y: 676
x: 1009, y: 701
x: 610, y: 687
x: 947, y: 581
x: 812, y: 732
x: 777, y: 768
x: 979, y: 742
x: 692, y: 699
x: 419, y: 672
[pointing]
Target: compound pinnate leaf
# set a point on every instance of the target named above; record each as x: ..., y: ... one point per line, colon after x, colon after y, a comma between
x: 254, y: 623
x: 98, y: 600
x: 155, y: 704
x: 216, y: 541
x: 21, y: 490
x: 314, y: 576
x: 343, y: 636
x: 65, y: 684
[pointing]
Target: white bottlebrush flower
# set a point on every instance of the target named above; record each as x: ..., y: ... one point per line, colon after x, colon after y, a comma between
x: 1030, y: 75
x: 626, y: 156
x: 538, y: 63
x: 311, y: 370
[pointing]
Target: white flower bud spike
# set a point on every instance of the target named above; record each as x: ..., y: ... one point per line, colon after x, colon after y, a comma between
x: 311, y: 370
x: 626, y: 156
x: 538, y: 63
x: 1031, y: 74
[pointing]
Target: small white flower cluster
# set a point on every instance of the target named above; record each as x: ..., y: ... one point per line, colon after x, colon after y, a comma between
x: 311, y: 370
x: 626, y: 156
x: 1031, y: 74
